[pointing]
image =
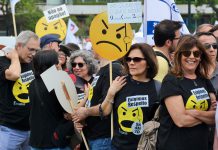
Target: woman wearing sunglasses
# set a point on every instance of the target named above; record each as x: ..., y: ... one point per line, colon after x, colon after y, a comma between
x: 133, y: 97
x: 210, y: 44
x: 84, y: 66
x: 187, y: 98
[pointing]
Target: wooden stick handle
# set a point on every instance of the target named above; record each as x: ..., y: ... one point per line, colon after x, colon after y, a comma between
x: 72, y: 107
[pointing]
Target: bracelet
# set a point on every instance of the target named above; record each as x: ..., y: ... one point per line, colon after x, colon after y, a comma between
x: 101, y: 112
x: 110, y: 101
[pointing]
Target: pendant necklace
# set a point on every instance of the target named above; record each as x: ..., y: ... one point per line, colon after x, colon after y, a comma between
x: 195, y: 83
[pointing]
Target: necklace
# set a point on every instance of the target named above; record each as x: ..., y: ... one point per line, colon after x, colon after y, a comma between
x: 195, y: 83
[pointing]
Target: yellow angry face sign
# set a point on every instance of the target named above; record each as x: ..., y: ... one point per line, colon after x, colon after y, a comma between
x: 20, y: 91
x: 57, y: 27
x: 130, y: 118
x: 110, y: 41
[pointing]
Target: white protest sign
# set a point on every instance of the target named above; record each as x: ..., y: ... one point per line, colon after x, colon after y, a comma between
x: 56, y: 13
x: 124, y: 12
x: 62, y: 84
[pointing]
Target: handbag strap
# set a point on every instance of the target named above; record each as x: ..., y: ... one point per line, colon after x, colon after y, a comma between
x: 157, y: 112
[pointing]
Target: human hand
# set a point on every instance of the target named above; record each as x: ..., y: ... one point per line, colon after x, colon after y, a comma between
x: 213, y: 105
x: 79, y: 114
x: 192, y: 112
x: 116, y: 85
x: 78, y: 126
x: 67, y: 116
x: 12, y: 54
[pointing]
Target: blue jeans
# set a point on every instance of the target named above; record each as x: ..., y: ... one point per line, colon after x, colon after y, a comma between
x: 12, y: 139
x: 100, y: 144
x: 66, y: 148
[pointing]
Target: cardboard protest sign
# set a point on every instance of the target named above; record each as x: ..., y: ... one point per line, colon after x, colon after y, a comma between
x: 57, y: 27
x: 125, y: 12
x: 110, y: 41
x: 56, y: 13
x: 62, y: 84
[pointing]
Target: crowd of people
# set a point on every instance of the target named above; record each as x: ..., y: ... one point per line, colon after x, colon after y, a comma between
x: 185, y: 67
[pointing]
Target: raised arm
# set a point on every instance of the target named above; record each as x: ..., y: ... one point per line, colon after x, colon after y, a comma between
x: 14, y: 70
x: 180, y: 117
x: 106, y: 107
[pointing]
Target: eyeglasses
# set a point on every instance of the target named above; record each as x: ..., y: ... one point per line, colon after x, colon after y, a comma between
x: 33, y: 50
x: 208, y: 46
x: 196, y: 54
x: 134, y: 59
x: 80, y: 65
x: 176, y: 38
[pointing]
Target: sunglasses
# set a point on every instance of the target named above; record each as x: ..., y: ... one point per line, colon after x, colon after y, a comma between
x: 80, y: 65
x: 196, y: 54
x: 208, y: 46
x: 134, y: 59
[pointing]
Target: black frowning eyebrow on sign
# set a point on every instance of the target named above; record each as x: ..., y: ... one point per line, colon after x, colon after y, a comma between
x: 124, y: 108
x: 104, y: 23
x: 120, y: 28
x: 44, y: 24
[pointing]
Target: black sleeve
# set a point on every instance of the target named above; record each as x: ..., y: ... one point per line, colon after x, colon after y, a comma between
x: 169, y: 87
x: 4, y: 64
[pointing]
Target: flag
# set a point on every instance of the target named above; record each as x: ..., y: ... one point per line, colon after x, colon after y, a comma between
x: 13, y: 3
x: 156, y: 11
x: 71, y: 30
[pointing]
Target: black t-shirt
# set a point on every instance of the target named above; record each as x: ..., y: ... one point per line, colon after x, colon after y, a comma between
x: 97, y: 128
x: 134, y: 105
x: 195, y: 94
x: 80, y: 87
x: 14, y: 97
x: 45, y: 114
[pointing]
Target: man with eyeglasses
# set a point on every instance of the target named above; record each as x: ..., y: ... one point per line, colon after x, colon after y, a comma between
x: 50, y: 42
x: 15, y: 77
x: 209, y: 41
x: 166, y: 36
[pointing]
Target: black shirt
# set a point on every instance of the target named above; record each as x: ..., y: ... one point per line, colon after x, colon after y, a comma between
x: 97, y: 128
x: 195, y: 94
x: 46, y: 114
x: 14, y: 96
x: 134, y: 105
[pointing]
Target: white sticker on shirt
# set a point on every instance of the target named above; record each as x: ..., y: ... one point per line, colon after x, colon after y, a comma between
x: 81, y: 96
x: 137, y: 128
x: 27, y: 76
x: 200, y: 94
x: 137, y: 101
x: 95, y: 80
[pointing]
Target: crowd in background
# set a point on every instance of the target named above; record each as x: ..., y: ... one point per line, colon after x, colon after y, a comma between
x: 183, y: 66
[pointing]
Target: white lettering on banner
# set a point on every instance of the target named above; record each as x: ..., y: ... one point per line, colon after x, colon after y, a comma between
x: 137, y: 101
x: 56, y: 13
x: 27, y: 76
x: 200, y: 94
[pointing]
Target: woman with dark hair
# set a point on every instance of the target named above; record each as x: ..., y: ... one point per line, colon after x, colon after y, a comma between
x: 187, y: 98
x: 46, y: 112
x: 133, y: 97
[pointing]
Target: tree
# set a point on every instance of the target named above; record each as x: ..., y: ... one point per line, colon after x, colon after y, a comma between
x: 27, y: 14
x: 209, y: 3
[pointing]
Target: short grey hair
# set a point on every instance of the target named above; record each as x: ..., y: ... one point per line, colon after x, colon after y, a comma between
x: 25, y: 36
x: 88, y: 58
